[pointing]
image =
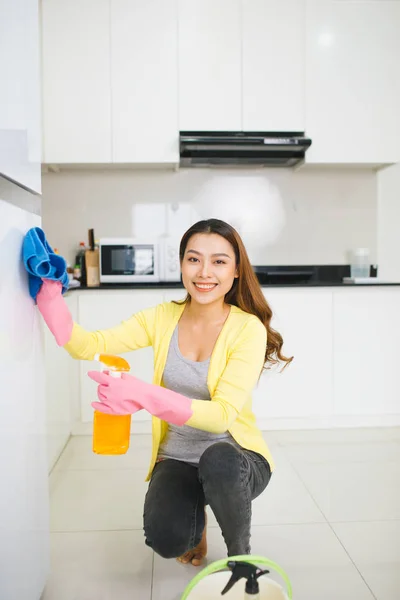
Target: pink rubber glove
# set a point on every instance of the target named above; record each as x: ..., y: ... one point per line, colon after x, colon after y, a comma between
x: 123, y: 397
x: 54, y: 310
x: 113, y: 394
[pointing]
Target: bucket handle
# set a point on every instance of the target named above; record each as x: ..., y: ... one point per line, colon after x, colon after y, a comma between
x: 223, y: 564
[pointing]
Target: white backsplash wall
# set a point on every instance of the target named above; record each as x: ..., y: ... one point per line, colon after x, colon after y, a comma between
x: 310, y: 216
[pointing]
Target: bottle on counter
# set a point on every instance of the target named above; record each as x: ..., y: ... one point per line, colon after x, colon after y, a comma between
x: 360, y: 264
x: 92, y: 262
x: 70, y: 272
x: 80, y: 265
x: 111, y: 433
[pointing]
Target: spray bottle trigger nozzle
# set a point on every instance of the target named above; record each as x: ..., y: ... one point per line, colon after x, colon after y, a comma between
x: 243, y: 570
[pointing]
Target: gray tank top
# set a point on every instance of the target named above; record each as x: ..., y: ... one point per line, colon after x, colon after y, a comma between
x: 189, y: 378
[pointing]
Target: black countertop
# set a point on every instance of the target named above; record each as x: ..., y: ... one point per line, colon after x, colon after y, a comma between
x: 178, y: 285
x: 287, y: 276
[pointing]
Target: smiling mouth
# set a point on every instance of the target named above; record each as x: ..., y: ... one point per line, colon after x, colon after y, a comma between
x: 205, y: 287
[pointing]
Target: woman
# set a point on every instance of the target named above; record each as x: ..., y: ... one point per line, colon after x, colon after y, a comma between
x: 211, y: 347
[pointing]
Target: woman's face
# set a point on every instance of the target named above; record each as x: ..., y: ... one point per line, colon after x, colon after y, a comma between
x: 208, y: 267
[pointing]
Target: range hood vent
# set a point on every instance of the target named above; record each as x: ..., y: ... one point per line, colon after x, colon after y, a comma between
x: 221, y: 148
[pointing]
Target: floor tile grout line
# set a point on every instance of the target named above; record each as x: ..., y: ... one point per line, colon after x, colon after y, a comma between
x: 74, y: 531
x: 60, y: 470
x: 60, y: 455
x: 279, y: 524
x: 255, y: 525
x: 215, y: 527
x: 95, y: 530
x: 305, y: 486
x: 351, y: 560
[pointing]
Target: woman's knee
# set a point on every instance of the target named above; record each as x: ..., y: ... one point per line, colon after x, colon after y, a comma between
x: 221, y: 460
x: 166, y: 540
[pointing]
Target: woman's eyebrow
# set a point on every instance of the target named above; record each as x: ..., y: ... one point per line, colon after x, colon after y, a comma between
x: 216, y: 254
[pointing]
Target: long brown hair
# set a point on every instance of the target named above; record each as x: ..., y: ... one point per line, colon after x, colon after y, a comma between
x: 245, y: 292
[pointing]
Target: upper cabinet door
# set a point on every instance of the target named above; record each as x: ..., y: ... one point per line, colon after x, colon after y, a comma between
x: 144, y: 81
x: 353, y: 81
x: 20, y: 127
x: 273, y: 65
x: 210, y: 65
x: 76, y: 81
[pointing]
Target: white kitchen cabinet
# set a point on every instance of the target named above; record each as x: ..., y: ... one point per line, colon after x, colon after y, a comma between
x: 210, y: 65
x: 353, y: 81
x: 107, y: 309
x: 304, y: 388
x: 20, y: 126
x: 62, y: 375
x: 24, y: 497
x: 76, y: 81
x: 58, y: 398
x: 366, y: 351
x: 144, y: 81
x: 273, y: 65
x: 344, y: 343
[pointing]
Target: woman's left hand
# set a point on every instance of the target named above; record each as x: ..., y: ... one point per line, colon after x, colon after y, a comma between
x: 115, y: 394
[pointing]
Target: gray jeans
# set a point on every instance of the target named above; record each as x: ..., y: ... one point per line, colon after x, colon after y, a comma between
x: 227, y: 479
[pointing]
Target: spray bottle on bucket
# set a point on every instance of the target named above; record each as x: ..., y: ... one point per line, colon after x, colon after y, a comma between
x: 250, y: 573
x: 111, y: 432
x: 214, y: 581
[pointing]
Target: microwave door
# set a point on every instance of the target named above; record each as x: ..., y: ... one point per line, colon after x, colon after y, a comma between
x: 128, y: 263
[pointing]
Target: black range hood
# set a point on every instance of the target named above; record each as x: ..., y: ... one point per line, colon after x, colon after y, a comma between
x: 225, y: 148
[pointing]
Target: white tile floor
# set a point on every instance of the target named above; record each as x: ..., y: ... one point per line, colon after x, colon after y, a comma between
x: 330, y: 517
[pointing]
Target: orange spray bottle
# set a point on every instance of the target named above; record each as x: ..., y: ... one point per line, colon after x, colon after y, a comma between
x: 111, y: 432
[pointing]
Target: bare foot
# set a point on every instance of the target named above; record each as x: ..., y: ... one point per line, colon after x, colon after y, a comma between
x: 198, y: 554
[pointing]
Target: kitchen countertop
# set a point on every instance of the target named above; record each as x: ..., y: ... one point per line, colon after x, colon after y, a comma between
x: 178, y: 285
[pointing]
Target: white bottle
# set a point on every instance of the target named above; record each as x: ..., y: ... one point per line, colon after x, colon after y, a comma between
x: 360, y: 265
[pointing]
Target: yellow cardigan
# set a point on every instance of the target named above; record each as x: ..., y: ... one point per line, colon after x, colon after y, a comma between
x: 235, y: 366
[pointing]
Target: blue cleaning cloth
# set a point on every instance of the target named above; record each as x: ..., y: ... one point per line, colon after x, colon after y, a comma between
x: 41, y: 261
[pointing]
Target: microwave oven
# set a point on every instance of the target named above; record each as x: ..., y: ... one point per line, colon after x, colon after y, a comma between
x: 133, y: 260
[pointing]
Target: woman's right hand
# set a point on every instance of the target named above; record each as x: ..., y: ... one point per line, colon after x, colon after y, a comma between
x: 55, y: 311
